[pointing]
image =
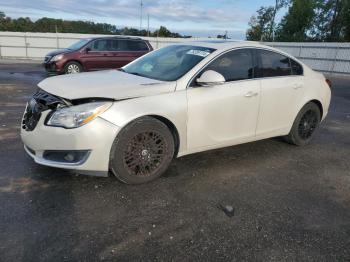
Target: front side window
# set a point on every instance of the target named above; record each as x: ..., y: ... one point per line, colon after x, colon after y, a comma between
x: 273, y: 64
x: 168, y: 63
x: 79, y: 44
x: 234, y: 65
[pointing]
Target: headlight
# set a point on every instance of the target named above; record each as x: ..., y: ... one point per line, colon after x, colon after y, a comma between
x: 75, y: 116
x: 57, y: 57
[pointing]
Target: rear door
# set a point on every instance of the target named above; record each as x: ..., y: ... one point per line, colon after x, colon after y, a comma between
x: 120, y: 54
x: 137, y: 48
x: 281, y: 89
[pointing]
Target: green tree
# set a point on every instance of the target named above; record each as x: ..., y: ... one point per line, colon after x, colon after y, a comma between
x: 332, y: 20
x: 45, y: 24
x: 162, y: 32
x: 329, y: 20
x: 346, y: 29
x: 260, y: 25
x: 298, y: 21
x: 337, y: 22
x: 278, y: 5
x: 6, y: 23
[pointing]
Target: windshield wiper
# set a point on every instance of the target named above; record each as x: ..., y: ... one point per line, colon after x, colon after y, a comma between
x: 138, y: 74
x: 121, y: 69
x: 135, y: 73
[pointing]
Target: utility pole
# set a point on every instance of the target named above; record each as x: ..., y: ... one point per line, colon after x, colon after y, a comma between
x: 148, y: 25
x: 141, y: 6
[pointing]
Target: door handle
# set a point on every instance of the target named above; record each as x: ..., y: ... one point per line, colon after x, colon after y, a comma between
x: 251, y: 94
x: 297, y: 86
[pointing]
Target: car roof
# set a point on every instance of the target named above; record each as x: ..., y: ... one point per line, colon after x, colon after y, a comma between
x: 117, y: 37
x: 225, y: 44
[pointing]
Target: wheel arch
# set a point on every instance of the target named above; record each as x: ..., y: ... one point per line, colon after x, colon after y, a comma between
x: 319, y: 105
x: 316, y: 102
x: 172, y: 129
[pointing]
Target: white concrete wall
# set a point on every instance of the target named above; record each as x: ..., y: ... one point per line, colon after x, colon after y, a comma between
x: 37, y: 45
x: 325, y: 57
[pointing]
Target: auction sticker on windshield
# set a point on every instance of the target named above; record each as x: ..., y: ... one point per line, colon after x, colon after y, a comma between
x: 198, y: 52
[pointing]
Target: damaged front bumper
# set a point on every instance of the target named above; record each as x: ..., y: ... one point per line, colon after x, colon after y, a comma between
x: 85, y: 149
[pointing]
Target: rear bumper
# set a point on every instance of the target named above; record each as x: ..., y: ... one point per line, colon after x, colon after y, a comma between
x: 94, y: 139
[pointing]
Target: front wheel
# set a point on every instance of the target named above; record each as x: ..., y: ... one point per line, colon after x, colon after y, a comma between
x: 304, y: 125
x: 142, y: 151
x: 73, y: 68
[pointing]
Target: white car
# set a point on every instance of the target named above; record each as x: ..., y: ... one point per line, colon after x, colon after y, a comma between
x: 175, y: 101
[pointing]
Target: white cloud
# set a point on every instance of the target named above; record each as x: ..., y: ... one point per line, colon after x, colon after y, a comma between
x: 193, y: 14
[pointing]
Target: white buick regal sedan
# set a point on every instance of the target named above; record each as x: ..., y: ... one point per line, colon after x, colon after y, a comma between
x: 177, y: 100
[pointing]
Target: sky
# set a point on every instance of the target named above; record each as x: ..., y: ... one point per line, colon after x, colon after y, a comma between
x: 201, y: 18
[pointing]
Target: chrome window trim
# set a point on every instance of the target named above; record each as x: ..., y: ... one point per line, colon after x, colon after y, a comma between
x: 93, y: 51
x: 250, y: 79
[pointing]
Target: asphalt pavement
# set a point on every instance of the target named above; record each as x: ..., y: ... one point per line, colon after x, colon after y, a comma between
x: 261, y: 201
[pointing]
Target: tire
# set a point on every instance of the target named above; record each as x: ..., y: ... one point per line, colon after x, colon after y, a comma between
x: 304, y: 126
x: 73, y: 68
x: 142, y: 151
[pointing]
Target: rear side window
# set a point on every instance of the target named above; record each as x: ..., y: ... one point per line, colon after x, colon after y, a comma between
x: 114, y: 45
x: 234, y: 65
x: 100, y: 45
x: 133, y: 45
x: 297, y: 69
x: 273, y: 64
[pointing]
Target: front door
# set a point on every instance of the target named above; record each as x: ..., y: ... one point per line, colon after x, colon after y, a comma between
x: 224, y: 114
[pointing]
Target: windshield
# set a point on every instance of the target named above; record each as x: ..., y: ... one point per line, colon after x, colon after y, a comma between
x: 79, y: 44
x: 168, y: 63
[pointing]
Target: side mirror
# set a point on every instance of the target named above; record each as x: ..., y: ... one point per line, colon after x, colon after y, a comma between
x: 87, y: 50
x: 210, y: 77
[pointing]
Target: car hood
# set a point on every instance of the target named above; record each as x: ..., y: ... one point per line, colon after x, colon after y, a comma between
x: 59, y: 51
x: 104, y: 84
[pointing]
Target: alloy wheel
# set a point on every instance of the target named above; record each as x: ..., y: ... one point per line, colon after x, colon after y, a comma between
x: 307, y: 124
x: 73, y: 69
x: 144, y: 153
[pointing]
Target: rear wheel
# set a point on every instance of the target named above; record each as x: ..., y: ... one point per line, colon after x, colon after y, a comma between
x: 304, y: 125
x: 142, y: 151
x: 73, y: 68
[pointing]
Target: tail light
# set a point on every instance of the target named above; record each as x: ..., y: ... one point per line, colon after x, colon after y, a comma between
x: 329, y: 82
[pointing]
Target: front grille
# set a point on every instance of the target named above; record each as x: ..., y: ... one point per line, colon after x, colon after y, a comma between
x: 47, y: 59
x: 31, y: 115
x: 39, y: 102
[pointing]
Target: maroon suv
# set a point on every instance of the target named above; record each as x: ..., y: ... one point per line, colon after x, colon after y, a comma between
x: 96, y: 54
